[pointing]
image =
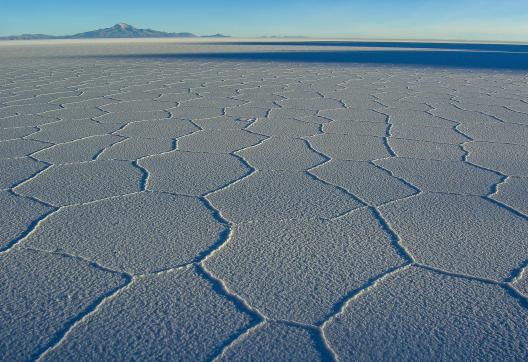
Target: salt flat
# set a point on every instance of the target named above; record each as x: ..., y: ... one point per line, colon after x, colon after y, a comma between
x: 263, y: 200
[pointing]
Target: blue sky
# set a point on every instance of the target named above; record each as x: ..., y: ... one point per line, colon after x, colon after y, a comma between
x: 410, y: 19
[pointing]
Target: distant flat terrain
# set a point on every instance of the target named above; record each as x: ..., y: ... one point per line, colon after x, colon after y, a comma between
x: 263, y: 200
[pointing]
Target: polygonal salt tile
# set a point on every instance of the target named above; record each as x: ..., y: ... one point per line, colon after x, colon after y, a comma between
x: 179, y: 87
x: 83, y: 182
x: 284, y: 127
x: 427, y: 101
x: 43, y: 99
x: 281, y: 195
x: 461, y: 116
x: 246, y: 112
x: 356, y: 128
x: 223, y: 122
x: 165, y: 128
x: 28, y: 109
x: 138, y: 106
x: 178, y: 97
x: 407, y: 104
x: 218, y: 92
x: 175, y: 316
x: 518, y: 105
x: 25, y: 121
x: 47, y: 293
x: 14, y: 133
x: 426, y: 133
x: 260, y: 92
x: 191, y: 173
x: 192, y: 112
x: 136, y: 95
x: 461, y: 234
x: 9, y: 93
x: 89, y: 103
x: 500, y: 133
x: 361, y: 102
x: 259, y: 103
x: 275, y: 266
x: 364, y: 180
x: 350, y: 147
x: 257, y: 99
x: 352, y: 93
x: 130, y: 116
x: 82, y: 101
x: 315, y: 104
x: 442, y: 176
x: 283, y: 113
x: 278, y: 342
x: 299, y: 94
x: 134, y: 148
x: 138, y: 233
x: 313, y: 119
x: 94, y: 90
x: 425, y: 150
x: 66, y: 131
x: 218, y: 141
x: 20, y: 148
x: 354, y: 114
x: 74, y: 113
x: 514, y: 192
x: 420, y: 315
x: 504, y: 114
x: 417, y: 118
x: 510, y: 160
x: 17, y: 170
x: 77, y: 151
x: 212, y: 102
x: 18, y: 214
x: 282, y: 154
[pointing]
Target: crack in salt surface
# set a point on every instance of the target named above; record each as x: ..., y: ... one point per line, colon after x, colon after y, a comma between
x: 31, y: 229
x: 221, y: 287
x: 384, y: 224
x: 61, y: 336
x: 388, y: 134
x: 353, y: 295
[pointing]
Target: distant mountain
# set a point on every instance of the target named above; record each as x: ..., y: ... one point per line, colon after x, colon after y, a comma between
x: 120, y: 30
x: 216, y: 36
x: 123, y: 30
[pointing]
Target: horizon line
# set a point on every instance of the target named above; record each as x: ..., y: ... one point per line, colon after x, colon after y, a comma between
x: 272, y: 38
x: 341, y: 36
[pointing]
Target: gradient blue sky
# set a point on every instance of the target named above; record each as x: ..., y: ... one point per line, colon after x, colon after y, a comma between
x: 410, y: 19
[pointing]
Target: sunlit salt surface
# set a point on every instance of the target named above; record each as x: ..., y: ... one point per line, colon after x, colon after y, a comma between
x: 279, y: 200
